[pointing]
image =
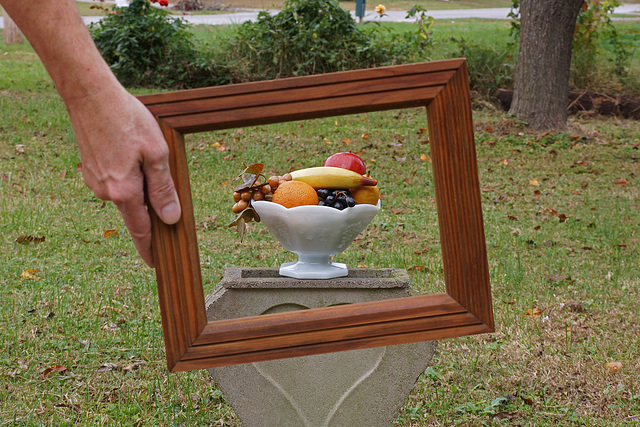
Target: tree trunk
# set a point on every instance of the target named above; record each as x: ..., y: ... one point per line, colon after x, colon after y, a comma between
x: 11, y: 33
x: 541, y: 85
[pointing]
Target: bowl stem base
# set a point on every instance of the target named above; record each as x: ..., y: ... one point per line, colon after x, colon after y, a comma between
x: 313, y: 270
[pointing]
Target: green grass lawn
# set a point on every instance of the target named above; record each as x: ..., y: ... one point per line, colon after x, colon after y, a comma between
x: 81, y: 338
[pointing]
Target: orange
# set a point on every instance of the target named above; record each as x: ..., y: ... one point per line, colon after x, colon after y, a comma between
x: 295, y: 193
x: 367, y: 194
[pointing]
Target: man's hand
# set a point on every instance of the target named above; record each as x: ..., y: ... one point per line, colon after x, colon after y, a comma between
x: 120, y: 142
x: 122, y: 150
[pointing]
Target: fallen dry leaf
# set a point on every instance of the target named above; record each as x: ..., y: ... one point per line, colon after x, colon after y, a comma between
x: 614, y: 366
x: 397, y: 211
x: 425, y: 158
x: 506, y: 416
x: 533, y: 312
x: 622, y: 182
x: 29, y: 274
x: 534, y: 182
x: 398, y: 137
x: 30, y: 239
x: 107, y: 367
x: 109, y: 233
x: 56, y: 368
x: 130, y: 367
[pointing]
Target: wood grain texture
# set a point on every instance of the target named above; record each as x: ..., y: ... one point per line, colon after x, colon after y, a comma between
x: 455, y: 173
x: 330, y: 347
x: 175, y: 249
x: 466, y: 308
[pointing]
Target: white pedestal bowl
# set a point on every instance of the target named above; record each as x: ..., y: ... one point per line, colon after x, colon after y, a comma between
x: 315, y: 233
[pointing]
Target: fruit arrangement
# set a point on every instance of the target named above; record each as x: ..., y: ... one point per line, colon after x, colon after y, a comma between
x: 341, y: 183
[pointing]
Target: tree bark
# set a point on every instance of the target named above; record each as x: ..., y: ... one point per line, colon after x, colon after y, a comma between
x: 11, y: 33
x: 541, y: 85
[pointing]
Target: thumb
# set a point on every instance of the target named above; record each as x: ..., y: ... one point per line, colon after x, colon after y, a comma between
x: 162, y: 192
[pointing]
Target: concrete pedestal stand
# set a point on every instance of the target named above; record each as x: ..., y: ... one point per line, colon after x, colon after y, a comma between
x: 351, y: 388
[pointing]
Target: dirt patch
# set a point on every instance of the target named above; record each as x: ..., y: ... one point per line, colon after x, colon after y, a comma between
x: 624, y: 106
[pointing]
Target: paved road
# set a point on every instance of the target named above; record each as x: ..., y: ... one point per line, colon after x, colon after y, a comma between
x: 241, y: 16
x: 392, y: 16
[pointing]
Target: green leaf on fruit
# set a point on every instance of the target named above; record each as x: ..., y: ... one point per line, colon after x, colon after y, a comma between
x: 249, y: 176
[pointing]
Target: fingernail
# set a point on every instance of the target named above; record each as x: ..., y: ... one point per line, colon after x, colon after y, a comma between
x: 171, y: 213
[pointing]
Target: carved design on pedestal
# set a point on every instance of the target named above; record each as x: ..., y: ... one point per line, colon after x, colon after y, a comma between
x: 313, y: 408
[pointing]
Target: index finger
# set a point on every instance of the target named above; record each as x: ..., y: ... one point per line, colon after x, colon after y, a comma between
x: 136, y: 219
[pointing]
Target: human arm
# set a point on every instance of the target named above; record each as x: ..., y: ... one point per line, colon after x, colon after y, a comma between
x: 121, y: 145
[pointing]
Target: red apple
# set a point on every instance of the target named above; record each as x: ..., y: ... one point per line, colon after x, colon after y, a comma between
x: 346, y: 160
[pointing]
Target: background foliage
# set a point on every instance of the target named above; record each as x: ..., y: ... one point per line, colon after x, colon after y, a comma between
x: 144, y: 47
x: 306, y: 37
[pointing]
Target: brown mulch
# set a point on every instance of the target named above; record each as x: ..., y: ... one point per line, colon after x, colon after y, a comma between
x: 624, y: 106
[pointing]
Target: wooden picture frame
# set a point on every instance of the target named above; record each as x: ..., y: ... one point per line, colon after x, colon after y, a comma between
x: 466, y: 308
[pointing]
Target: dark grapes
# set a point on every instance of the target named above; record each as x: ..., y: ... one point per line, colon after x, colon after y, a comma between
x: 338, y: 199
x: 323, y: 193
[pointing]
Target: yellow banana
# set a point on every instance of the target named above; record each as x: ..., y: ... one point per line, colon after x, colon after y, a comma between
x: 332, y: 177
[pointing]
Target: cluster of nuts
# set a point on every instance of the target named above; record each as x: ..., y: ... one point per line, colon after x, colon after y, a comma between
x: 257, y: 191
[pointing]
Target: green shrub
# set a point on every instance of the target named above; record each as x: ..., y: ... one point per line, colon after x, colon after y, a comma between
x: 490, y: 68
x: 146, y: 48
x: 594, y: 30
x: 305, y: 37
x: 405, y: 47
